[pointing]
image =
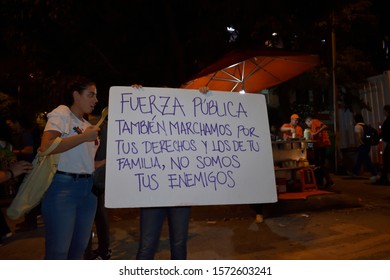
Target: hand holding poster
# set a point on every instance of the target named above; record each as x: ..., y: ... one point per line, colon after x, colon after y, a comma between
x: 171, y: 147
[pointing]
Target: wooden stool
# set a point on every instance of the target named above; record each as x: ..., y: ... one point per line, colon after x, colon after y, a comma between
x: 308, y: 179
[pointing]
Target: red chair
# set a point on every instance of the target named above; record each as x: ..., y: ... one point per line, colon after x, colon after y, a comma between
x: 308, y: 179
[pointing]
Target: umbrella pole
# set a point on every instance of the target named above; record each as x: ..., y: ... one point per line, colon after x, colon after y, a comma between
x: 335, y: 100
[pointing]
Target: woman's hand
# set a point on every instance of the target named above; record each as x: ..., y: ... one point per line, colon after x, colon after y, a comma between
x: 204, y: 90
x: 91, y: 133
x: 99, y: 163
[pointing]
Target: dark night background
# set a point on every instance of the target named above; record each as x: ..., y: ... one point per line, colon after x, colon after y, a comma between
x: 165, y: 43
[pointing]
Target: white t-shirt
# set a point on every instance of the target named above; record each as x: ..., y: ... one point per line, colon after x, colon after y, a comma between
x: 79, y: 159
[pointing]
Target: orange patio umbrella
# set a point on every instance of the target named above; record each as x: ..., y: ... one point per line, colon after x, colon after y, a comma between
x: 252, y: 70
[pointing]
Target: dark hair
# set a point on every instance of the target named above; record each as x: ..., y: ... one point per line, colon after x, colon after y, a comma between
x: 24, y: 120
x: 386, y: 108
x: 76, y: 83
x: 358, y: 118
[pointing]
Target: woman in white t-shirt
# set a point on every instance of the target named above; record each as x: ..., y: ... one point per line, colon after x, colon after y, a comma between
x: 69, y: 206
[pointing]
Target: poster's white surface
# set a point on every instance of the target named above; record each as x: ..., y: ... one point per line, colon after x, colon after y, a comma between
x: 171, y: 147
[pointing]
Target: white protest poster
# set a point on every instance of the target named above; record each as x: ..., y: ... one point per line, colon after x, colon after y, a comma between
x: 174, y: 147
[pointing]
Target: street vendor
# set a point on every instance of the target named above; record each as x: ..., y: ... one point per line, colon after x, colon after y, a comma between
x: 292, y: 129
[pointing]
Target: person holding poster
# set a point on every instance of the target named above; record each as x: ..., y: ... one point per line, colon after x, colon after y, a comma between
x: 69, y: 206
x: 292, y: 129
x: 151, y: 223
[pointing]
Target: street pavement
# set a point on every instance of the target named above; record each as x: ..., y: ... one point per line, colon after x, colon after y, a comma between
x: 351, y: 223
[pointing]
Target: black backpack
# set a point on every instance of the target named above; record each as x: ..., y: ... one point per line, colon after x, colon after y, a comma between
x: 370, y: 135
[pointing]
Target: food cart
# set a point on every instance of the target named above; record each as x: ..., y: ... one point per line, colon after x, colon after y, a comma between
x: 293, y: 173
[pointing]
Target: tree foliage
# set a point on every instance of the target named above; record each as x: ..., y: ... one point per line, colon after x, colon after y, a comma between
x: 158, y: 43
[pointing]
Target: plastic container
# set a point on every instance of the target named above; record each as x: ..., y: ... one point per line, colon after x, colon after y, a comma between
x: 306, y: 134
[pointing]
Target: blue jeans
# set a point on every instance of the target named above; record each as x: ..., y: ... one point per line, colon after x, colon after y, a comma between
x: 364, y: 157
x: 68, y: 210
x: 151, y: 223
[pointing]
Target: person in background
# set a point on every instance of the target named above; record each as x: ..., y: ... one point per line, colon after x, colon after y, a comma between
x: 23, y: 147
x: 8, y: 185
x: 15, y: 170
x: 69, y: 206
x: 363, y: 156
x: 7, y: 157
x: 151, y: 223
x: 103, y: 252
x: 292, y: 129
x: 385, y: 136
x: 319, y: 133
x: 22, y: 139
x: 274, y: 132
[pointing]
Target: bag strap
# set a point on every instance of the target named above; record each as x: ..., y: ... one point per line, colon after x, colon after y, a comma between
x: 53, y: 145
